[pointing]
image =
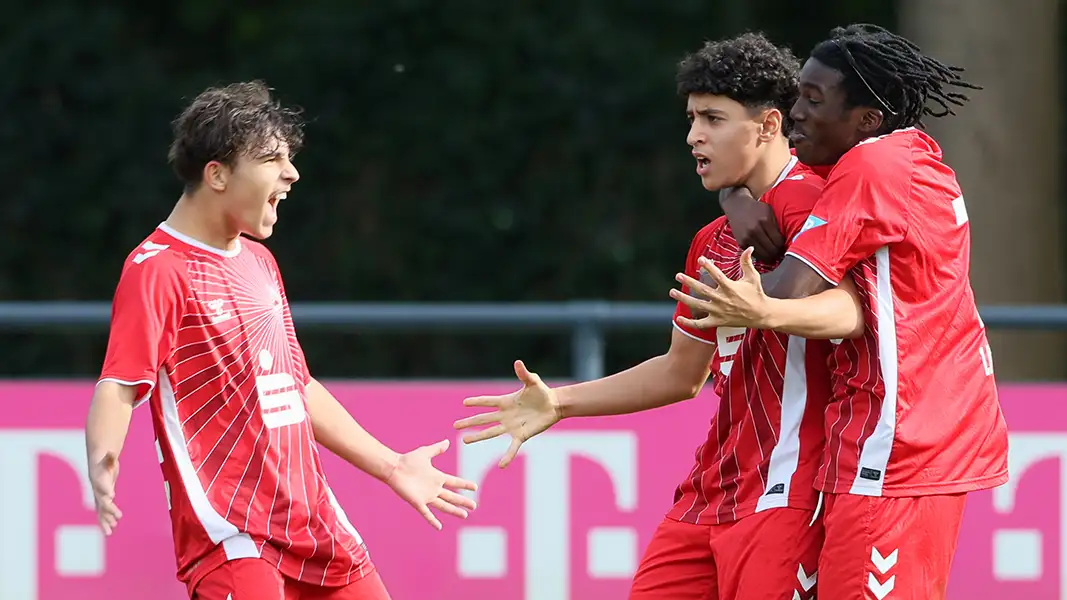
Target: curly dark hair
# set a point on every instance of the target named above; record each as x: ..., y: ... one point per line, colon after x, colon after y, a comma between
x: 748, y: 69
x: 886, y: 71
x: 223, y: 123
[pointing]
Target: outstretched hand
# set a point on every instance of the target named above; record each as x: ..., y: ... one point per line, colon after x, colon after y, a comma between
x: 740, y: 303
x: 417, y: 481
x: 522, y: 414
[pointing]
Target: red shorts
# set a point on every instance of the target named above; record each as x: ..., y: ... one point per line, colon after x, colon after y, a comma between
x: 256, y: 579
x: 889, y: 548
x: 769, y: 555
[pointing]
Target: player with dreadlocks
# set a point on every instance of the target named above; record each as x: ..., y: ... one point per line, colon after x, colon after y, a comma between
x: 915, y: 422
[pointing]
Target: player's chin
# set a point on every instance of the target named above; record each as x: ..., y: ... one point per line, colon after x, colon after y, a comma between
x: 261, y: 231
x: 712, y: 183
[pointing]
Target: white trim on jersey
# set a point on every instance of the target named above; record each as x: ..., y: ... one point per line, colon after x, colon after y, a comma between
x: 785, y: 456
x: 195, y: 243
x: 875, y: 453
x: 687, y: 334
x: 151, y: 385
x: 341, y: 516
x: 235, y: 543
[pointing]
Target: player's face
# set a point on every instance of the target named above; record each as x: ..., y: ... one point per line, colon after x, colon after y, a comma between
x: 725, y: 138
x: 256, y: 185
x: 825, y: 127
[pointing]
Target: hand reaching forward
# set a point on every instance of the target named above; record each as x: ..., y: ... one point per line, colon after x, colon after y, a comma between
x: 740, y: 303
x: 418, y: 482
x: 522, y: 414
x: 102, y: 475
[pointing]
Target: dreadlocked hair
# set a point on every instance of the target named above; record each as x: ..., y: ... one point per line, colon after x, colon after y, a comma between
x: 886, y: 71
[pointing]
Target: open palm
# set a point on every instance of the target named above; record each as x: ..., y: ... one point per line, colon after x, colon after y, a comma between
x: 419, y: 483
x: 522, y: 414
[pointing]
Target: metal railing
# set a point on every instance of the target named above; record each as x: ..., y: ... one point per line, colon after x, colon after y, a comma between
x: 585, y: 320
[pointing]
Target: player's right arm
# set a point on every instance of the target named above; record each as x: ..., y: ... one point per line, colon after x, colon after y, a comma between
x: 677, y: 375
x: 145, y: 316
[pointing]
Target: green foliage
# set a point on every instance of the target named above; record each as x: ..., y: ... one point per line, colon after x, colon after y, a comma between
x: 459, y: 151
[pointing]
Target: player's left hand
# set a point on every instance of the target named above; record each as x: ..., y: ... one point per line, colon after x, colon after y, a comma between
x: 417, y: 481
x: 740, y: 303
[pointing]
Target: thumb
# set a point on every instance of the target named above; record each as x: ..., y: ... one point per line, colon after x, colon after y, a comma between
x: 527, y: 377
x: 440, y: 447
x: 748, y: 269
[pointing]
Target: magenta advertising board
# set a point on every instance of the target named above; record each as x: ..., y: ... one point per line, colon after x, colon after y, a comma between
x: 567, y: 521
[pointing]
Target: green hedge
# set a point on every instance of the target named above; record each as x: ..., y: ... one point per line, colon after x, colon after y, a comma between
x: 457, y: 151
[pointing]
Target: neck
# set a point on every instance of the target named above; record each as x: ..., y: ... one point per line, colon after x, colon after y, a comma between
x: 767, y: 170
x: 192, y: 216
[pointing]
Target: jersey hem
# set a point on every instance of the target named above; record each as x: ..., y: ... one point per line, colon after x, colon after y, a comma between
x: 151, y: 386
x: 739, y: 512
x: 961, y: 486
x: 817, y: 266
x: 687, y: 333
x: 217, y: 558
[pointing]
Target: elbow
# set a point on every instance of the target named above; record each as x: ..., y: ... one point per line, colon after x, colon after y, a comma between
x: 689, y: 382
x: 690, y: 390
x: 856, y: 332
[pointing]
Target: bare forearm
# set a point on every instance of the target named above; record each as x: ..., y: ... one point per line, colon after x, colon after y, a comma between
x: 793, y: 279
x: 833, y: 314
x: 654, y: 383
x: 109, y: 419
x: 339, y: 433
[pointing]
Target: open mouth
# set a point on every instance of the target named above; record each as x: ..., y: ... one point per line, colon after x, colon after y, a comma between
x: 276, y: 198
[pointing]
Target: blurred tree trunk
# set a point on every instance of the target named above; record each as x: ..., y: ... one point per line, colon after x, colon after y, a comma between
x: 1004, y: 146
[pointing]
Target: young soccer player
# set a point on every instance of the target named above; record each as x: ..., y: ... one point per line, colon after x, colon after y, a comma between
x: 201, y: 329
x: 915, y: 423
x: 742, y: 523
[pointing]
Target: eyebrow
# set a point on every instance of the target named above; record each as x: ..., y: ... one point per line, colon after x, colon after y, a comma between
x: 706, y: 112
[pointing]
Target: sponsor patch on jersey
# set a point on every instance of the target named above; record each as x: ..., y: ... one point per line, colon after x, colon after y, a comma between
x: 778, y: 488
x: 810, y: 223
x: 871, y: 474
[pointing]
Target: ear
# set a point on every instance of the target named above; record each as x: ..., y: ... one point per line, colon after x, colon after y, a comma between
x: 871, y: 120
x: 771, y: 125
x: 216, y: 176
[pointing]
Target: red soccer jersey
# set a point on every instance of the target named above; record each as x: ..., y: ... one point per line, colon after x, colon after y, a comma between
x: 207, y: 336
x: 915, y: 407
x: 766, y: 439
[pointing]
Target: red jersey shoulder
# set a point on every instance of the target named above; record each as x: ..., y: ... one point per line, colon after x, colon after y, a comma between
x: 707, y: 233
x: 157, y: 254
x: 886, y: 157
x: 794, y: 197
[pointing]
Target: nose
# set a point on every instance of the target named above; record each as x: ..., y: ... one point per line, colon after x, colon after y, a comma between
x: 289, y: 173
x: 797, y: 113
x: 695, y: 136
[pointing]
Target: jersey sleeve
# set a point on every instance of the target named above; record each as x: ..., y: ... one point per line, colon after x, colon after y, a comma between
x: 692, y: 269
x: 794, y: 200
x: 861, y: 210
x: 146, y: 313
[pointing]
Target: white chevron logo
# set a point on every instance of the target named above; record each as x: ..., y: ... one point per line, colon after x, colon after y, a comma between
x: 806, y: 582
x: 881, y: 590
x: 883, y: 564
x: 152, y: 249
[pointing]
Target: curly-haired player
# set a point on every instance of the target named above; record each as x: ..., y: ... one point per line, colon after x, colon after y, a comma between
x: 201, y: 330
x: 915, y: 422
x: 742, y: 526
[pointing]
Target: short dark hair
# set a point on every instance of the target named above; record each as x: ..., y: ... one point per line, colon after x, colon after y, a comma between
x: 223, y: 123
x: 748, y: 69
x: 886, y: 71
